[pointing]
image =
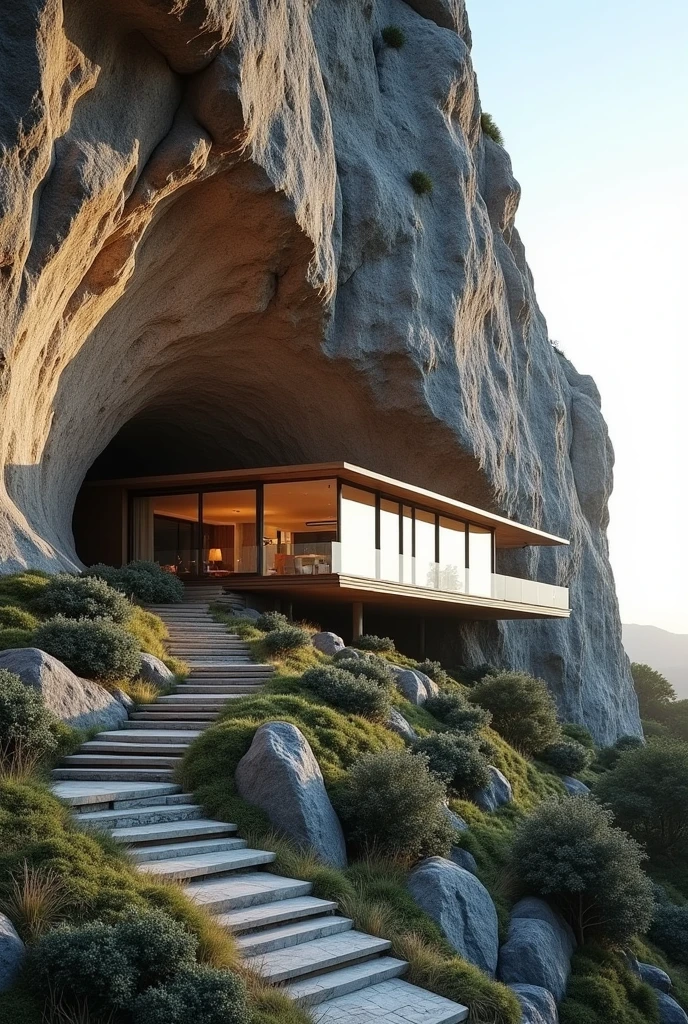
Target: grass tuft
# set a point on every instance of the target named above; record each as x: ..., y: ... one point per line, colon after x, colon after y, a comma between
x: 490, y: 128
x: 421, y: 183
x: 393, y: 37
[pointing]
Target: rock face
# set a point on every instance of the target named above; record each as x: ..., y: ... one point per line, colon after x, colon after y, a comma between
x: 538, y: 948
x: 398, y: 724
x: 280, y: 775
x: 669, y: 1010
x: 655, y: 977
x: 155, y: 671
x: 78, y: 702
x: 12, y: 953
x: 496, y: 794
x: 461, y: 906
x: 538, y: 1005
x: 464, y: 859
x: 218, y: 194
x: 327, y: 643
x: 574, y: 787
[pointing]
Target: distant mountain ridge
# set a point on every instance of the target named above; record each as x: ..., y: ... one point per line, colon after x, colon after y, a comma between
x: 667, y: 652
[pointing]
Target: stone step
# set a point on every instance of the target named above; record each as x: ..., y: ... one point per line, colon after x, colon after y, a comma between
x: 86, y: 793
x: 174, y: 800
x: 254, y: 888
x: 168, y: 723
x: 251, y: 919
x: 113, y: 774
x: 283, y: 965
x: 193, y: 699
x: 391, y: 1001
x: 203, y: 865
x: 247, y: 687
x: 127, y: 760
x: 173, y: 716
x: 166, y: 852
x: 204, y: 704
x: 150, y: 830
x: 140, y: 749
x: 316, y: 990
x: 159, y: 737
x: 293, y: 934
x: 138, y: 817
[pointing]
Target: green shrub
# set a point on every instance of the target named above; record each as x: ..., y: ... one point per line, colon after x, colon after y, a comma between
x: 579, y: 733
x: 351, y: 694
x: 608, y: 756
x: 94, y: 648
x: 201, y: 994
x: 567, y: 757
x: 647, y: 790
x: 669, y: 930
x: 456, y: 760
x: 603, y: 989
x: 455, y: 711
x: 523, y: 711
x: 16, y: 618
x: 370, y: 642
x: 568, y: 853
x: 488, y: 125
x: 82, y: 597
x: 655, y: 692
x: 287, y: 638
x: 433, y: 670
x: 421, y: 183
x: 21, y: 588
x: 109, y: 964
x: 470, y: 675
x: 269, y: 621
x: 391, y: 802
x: 11, y: 638
x: 143, y: 580
x: 654, y: 730
x: 375, y: 669
x: 393, y: 36
x: 25, y: 722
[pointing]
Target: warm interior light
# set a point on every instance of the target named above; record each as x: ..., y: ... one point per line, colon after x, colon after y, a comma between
x: 215, y: 555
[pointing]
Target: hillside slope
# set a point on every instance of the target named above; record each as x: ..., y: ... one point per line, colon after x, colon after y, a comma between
x: 664, y: 651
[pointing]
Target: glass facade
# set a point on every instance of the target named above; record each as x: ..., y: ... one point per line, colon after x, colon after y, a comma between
x: 426, y: 554
x: 390, y: 557
x: 229, y: 532
x: 358, y: 525
x: 452, y: 562
x: 479, y: 561
x: 299, y: 527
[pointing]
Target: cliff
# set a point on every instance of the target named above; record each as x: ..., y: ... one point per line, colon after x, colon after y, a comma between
x: 211, y: 256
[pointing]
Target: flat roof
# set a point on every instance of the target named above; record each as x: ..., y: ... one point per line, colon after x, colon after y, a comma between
x: 508, y: 533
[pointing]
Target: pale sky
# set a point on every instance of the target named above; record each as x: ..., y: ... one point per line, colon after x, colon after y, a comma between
x: 592, y: 99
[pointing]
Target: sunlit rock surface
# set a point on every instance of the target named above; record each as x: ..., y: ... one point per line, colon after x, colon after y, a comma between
x: 210, y: 253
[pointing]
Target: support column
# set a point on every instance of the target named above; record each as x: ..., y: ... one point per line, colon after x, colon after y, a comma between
x: 421, y: 638
x: 289, y: 610
x: 357, y: 608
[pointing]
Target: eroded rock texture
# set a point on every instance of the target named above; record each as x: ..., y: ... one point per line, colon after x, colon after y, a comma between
x: 210, y: 253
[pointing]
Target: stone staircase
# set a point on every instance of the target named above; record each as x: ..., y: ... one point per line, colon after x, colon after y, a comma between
x: 123, y: 782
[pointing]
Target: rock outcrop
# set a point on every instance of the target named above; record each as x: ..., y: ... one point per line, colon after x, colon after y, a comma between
x: 496, y: 793
x: 280, y: 774
x: 211, y: 257
x: 155, y: 671
x: 327, y: 643
x: 12, y: 953
x: 538, y: 1005
x: 538, y: 948
x: 78, y: 702
x: 461, y: 906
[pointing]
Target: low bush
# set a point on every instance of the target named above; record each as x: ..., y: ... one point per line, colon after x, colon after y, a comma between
x: 82, y: 597
x: 488, y: 125
x: 522, y: 708
x: 391, y: 803
x: 94, y: 648
x: 25, y: 722
x: 567, y: 756
x: 568, y: 853
x: 456, y: 760
x: 434, y: 671
x: 669, y: 930
x: 393, y: 37
x: 457, y: 712
x: 16, y: 618
x: 375, y: 669
x: 472, y: 674
x: 647, y: 789
x: 370, y: 642
x: 579, y: 733
x: 608, y: 756
x: 23, y: 587
x: 11, y: 638
x: 285, y: 639
x: 603, y: 989
x: 271, y: 620
x: 354, y: 695
x: 421, y: 183
x: 142, y: 580
x: 201, y: 994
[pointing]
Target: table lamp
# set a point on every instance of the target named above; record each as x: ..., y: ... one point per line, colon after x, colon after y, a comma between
x: 215, y: 555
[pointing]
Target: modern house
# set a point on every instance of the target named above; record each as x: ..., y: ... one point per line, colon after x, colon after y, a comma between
x: 310, y: 535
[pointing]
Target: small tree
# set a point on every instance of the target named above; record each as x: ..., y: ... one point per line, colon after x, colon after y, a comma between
x: 567, y: 756
x: 669, y: 930
x: 568, y: 853
x: 523, y: 711
x: 456, y: 760
x: 655, y: 692
x: 454, y: 710
x: 390, y: 802
x: 647, y: 790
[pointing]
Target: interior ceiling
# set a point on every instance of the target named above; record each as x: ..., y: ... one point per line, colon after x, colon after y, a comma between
x: 287, y: 506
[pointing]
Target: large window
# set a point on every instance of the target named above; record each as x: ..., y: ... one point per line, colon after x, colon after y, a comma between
x: 299, y: 527
x: 359, y: 548
x: 479, y: 561
x: 426, y: 561
x: 407, y: 560
x: 229, y: 532
x: 390, y: 567
x: 452, y: 572
x: 165, y: 530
